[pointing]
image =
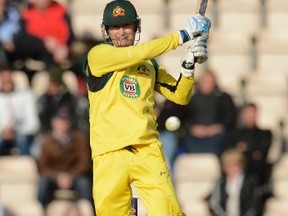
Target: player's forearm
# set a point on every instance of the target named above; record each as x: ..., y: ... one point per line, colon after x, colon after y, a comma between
x: 180, y: 92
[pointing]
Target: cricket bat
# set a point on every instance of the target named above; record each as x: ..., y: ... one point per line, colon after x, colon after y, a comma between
x: 201, y: 7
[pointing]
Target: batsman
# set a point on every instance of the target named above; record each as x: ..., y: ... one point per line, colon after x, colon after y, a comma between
x: 122, y: 77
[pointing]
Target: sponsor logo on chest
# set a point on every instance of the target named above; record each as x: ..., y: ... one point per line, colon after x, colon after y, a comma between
x: 129, y: 87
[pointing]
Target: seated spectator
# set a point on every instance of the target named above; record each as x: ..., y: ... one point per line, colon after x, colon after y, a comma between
x: 64, y: 161
x: 56, y: 96
x: 18, y: 115
x: 211, y: 115
x: 9, y: 27
x: 236, y: 193
x: 255, y: 143
x: 46, y: 32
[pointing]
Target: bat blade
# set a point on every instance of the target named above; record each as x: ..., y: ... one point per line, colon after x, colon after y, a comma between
x: 201, y: 6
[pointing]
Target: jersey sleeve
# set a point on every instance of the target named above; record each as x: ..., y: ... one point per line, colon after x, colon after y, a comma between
x: 106, y: 58
x: 178, y: 91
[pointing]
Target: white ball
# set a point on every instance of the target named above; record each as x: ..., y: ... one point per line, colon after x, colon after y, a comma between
x: 172, y: 123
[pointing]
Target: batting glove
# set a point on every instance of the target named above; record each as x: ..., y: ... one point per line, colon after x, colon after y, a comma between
x: 198, y: 46
x: 197, y: 25
x: 187, y: 64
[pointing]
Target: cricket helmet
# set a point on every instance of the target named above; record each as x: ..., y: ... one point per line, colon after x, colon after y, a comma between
x: 120, y: 12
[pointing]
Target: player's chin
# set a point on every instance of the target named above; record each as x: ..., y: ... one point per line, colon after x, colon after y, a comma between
x: 123, y: 43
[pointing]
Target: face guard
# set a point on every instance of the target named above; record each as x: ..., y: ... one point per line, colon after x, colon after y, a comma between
x: 111, y: 38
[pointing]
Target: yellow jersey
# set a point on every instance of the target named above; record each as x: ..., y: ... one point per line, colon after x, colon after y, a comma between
x: 121, y: 85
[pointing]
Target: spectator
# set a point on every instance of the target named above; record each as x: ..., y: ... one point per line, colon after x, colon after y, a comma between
x: 253, y: 141
x: 170, y: 139
x: 9, y: 27
x: 18, y: 115
x: 64, y: 161
x: 46, y: 32
x: 236, y: 193
x: 210, y: 117
x: 56, y: 96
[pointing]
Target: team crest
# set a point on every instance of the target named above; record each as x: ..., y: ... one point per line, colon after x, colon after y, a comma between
x: 142, y: 69
x: 129, y: 87
x: 118, y: 11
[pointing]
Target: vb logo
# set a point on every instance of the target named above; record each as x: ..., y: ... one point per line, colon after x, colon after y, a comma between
x: 129, y: 87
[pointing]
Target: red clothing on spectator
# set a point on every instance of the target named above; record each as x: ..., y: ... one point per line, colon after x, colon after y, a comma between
x: 50, y: 22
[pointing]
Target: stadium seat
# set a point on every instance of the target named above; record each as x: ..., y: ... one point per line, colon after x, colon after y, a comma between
x: 242, y: 16
x: 64, y: 2
x: 231, y: 58
x: 267, y: 83
x: 196, y: 167
x: 276, y: 207
x: 194, y: 179
x: 87, y: 25
x: 86, y: 18
x: 27, y: 208
x: 272, y: 51
x: 279, y: 178
x: 19, y: 175
x: 40, y: 82
x: 59, y: 207
x: 280, y: 188
x: 152, y: 18
x: 195, y: 208
x: 19, y: 185
x: 21, y: 79
x: 70, y: 80
x: 279, y: 169
x: 276, y: 15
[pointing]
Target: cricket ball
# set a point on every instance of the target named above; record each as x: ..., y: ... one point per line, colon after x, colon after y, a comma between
x: 172, y: 123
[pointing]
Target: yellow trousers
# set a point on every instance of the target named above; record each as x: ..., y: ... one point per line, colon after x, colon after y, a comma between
x: 145, y: 167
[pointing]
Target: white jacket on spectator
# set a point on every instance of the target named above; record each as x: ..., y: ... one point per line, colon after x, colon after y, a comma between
x: 18, y: 110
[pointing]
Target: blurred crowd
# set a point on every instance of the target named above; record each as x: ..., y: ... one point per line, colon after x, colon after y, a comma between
x: 214, y: 123
x: 38, y: 35
x: 53, y: 128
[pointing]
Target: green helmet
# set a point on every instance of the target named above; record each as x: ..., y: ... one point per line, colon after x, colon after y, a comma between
x: 119, y: 12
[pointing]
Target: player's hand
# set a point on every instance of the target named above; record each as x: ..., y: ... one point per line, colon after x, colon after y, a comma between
x: 187, y: 64
x: 198, y: 46
x: 197, y: 25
